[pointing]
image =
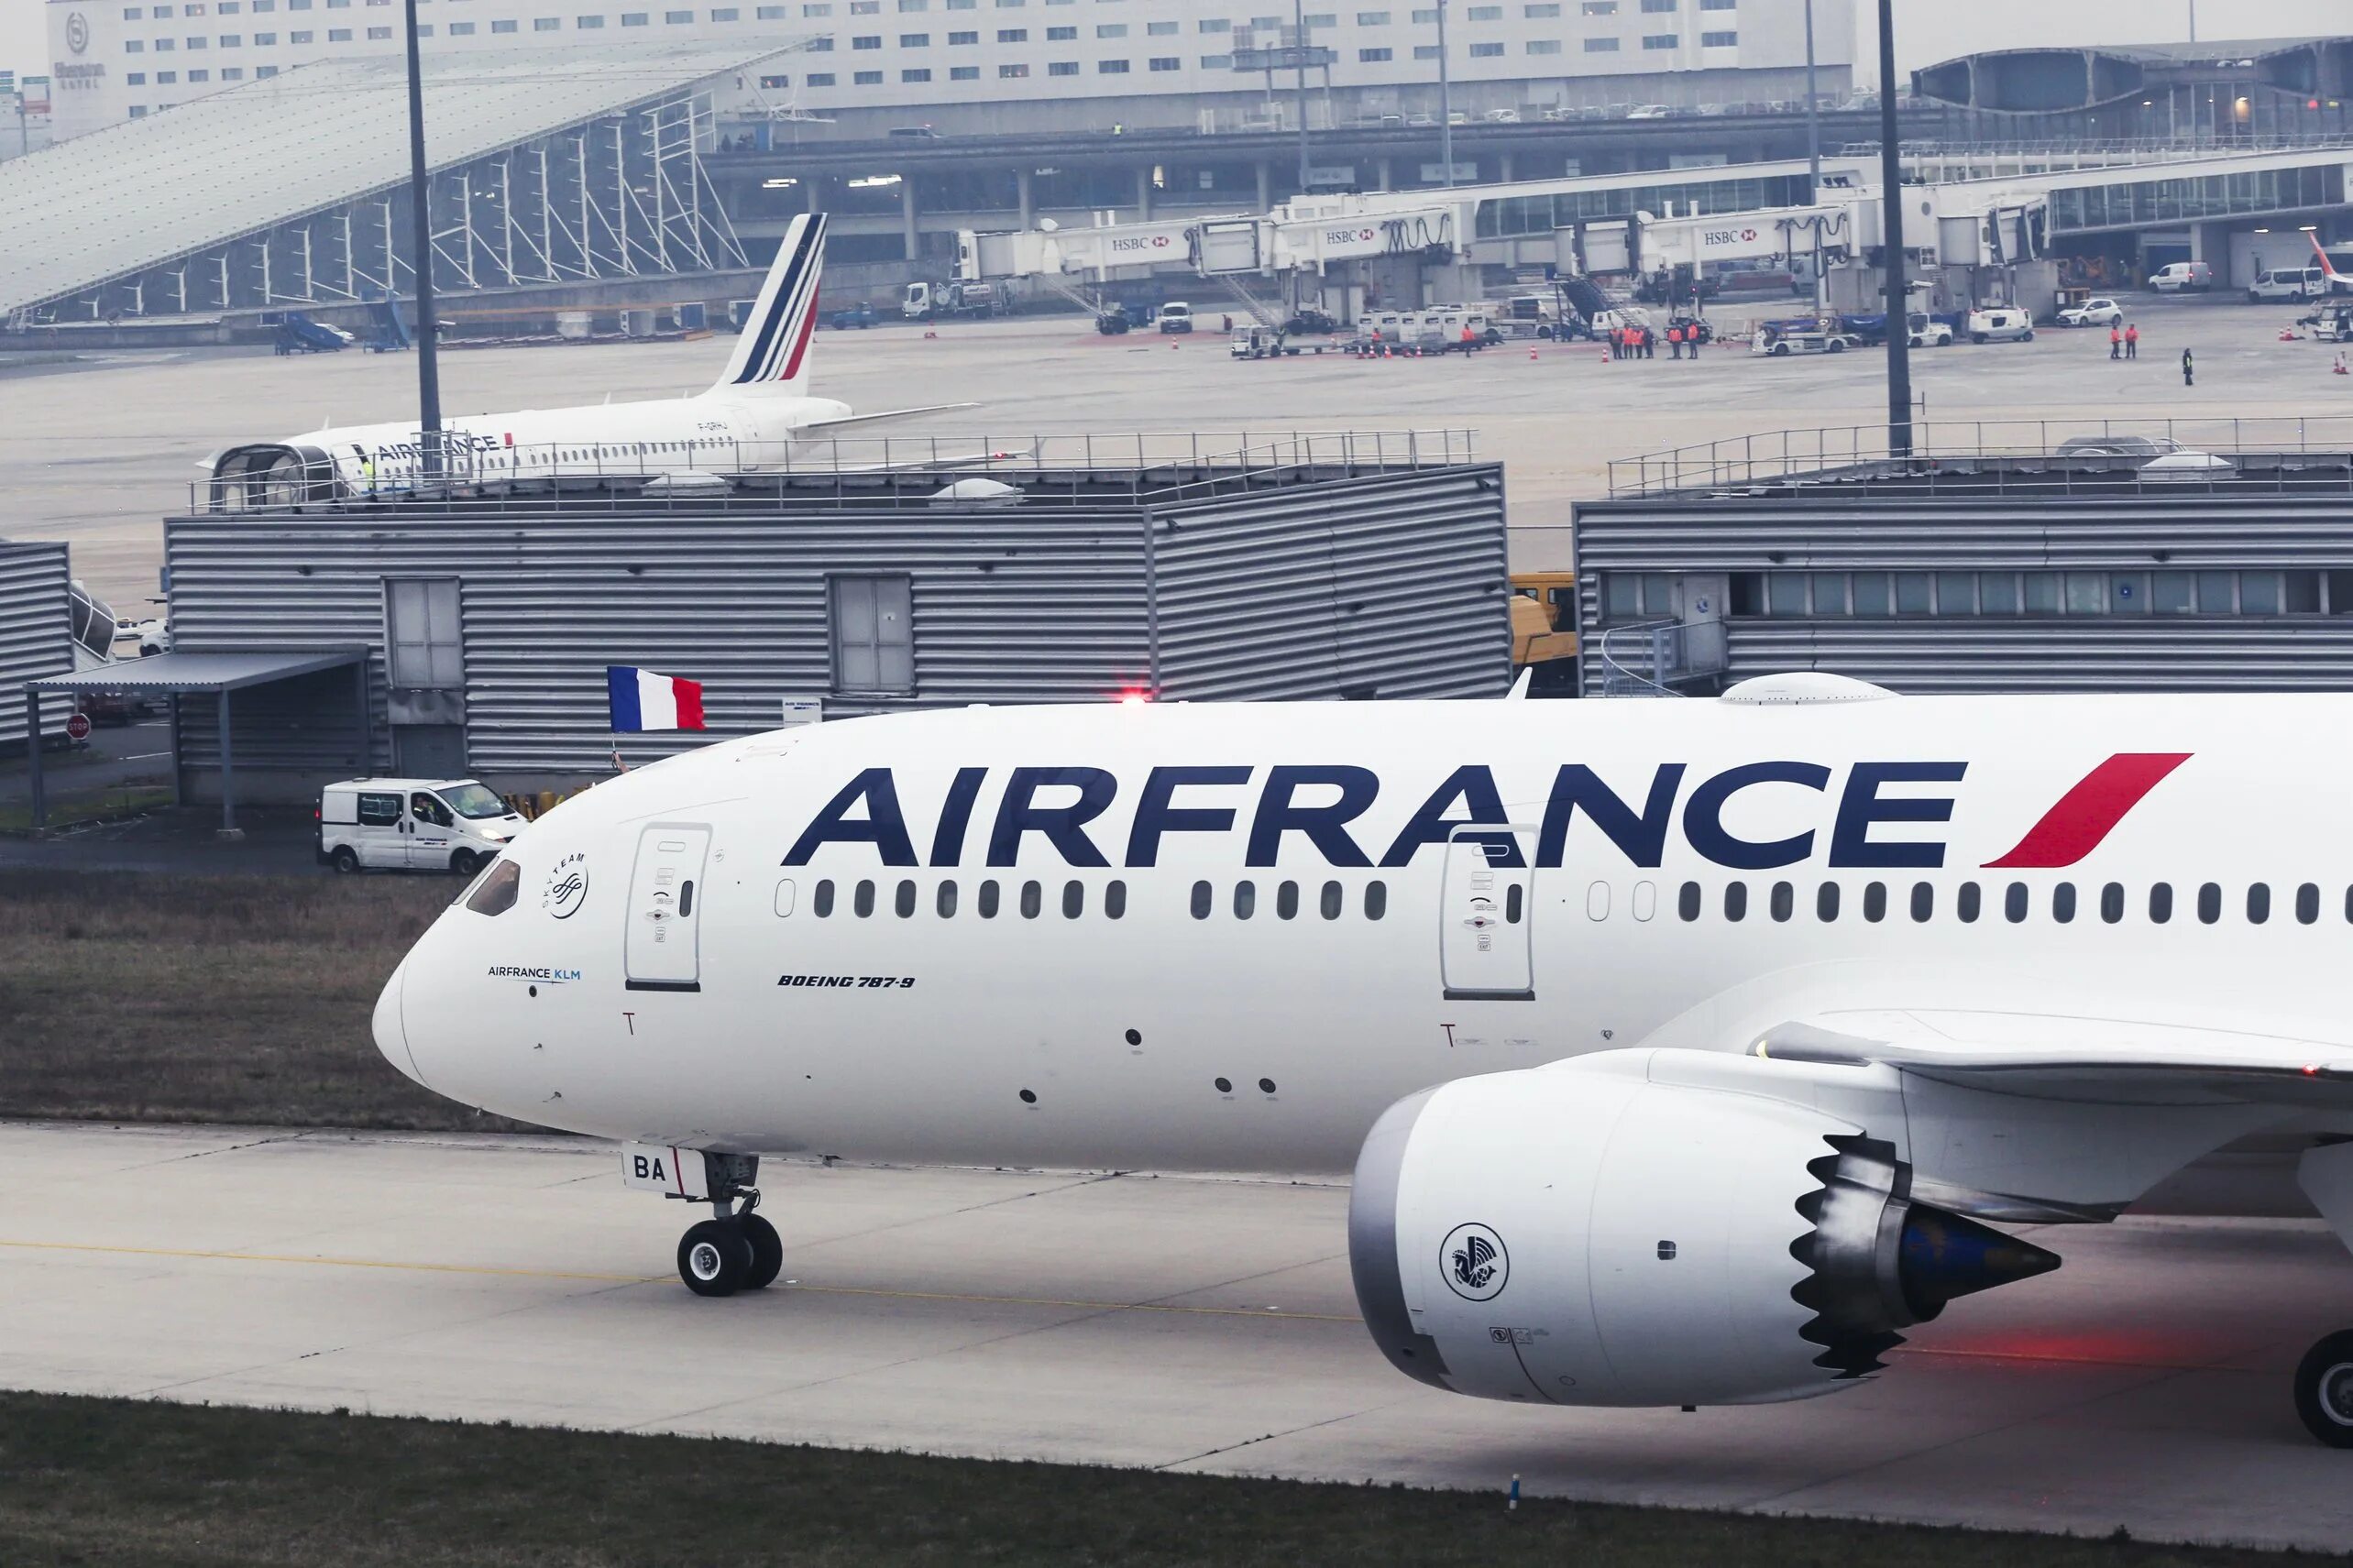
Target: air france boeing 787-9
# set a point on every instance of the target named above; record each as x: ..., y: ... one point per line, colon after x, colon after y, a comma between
x: 1685, y: 1053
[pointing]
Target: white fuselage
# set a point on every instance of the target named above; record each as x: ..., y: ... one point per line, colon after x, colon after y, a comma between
x: 1294, y: 950
x: 714, y: 433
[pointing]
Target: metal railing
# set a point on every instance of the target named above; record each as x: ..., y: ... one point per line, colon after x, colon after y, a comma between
x: 2288, y: 453
x: 2119, y: 151
x: 1652, y: 658
x: 1141, y: 468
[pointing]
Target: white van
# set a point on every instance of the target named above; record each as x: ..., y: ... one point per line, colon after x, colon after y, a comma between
x: 426, y: 824
x: 2001, y: 323
x: 2182, y: 277
x: 2287, y: 283
x: 1175, y: 316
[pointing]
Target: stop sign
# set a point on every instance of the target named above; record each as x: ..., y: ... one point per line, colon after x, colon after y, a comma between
x: 77, y: 727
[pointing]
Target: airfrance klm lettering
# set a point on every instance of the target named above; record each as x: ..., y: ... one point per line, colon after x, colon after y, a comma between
x: 1322, y: 805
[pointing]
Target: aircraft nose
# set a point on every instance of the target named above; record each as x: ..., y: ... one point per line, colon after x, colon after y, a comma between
x: 391, y: 1035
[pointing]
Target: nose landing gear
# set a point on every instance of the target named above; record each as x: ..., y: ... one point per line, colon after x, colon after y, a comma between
x: 736, y: 1249
x: 2325, y: 1389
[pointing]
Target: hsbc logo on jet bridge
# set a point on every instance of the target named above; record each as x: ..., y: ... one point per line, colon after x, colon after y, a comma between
x: 1323, y: 805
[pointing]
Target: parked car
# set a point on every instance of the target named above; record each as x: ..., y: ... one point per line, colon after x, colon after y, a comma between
x: 2117, y: 445
x: 2001, y: 323
x: 1647, y: 112
x: 2099, y: 311
x: 434, y: 825
x: 1175, y: 316
x: 2287, y: 283
x: 860, y: 316
x: 2183, y: 277
x: 1924, y: 331
x: 1502, y: 116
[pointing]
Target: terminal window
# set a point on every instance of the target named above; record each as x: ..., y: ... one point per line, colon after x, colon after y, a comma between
x: 767, y: 13
x: 1167, y: 62
x: 1655, y: 7
x: 506, y: 25
x: 1485, y: 13
x: 1599, y: 8
x: 1372, y: 18
x: 1062, y: 68
x: 725, y: 14
x: 820, y: 79
x: 167, y: 78
x: 545, y: 23
x: 233, y: 74
x: 919, y: 73
x: 135, y: 78
x: 1061, y: 35
x: 964, y: 38
x: 231, y: 41
x: 199, y: 76
x: 628, y: 19
x: 1013, y: 35
x: 1374, y: 56
x: 379, y: 34
x: 133, y: 13
x: 1216, y: 25
x: 1540, y: 13
x: 914, y: 40
x: 133, y: 46
x: 819, y: 9
x: 1161, y: 30
x: 1485, y: 52
x: 869, y: 40
x: 1718, y: 41
x: 1658, y: 40
x: 261, y: 70
x: 1543, y: 46
x: 588, y: 21
x: 1944, y: 595
x: 263, y: 40
x: 298, y: 37
x: 963, y: 74
x: 866, y: 78
x: 1011, y: 72
x: 1111, y: 67
x: 1216, y: 63
x: 1111, y: 29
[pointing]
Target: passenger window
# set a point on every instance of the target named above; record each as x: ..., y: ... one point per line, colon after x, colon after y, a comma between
x: 1246, y: 900
x: 1923, y: 902
x: 1875, y: 901
x: 988, y: 900
x: 2209, y: 902
x: 1645, y: 899
x: 1376, y: 900
x: 1735, y: 901
x: 1687, y: 902
x: 495, y: 893
x: 1332, y: 901
x: 862, y: 901
x: 1784, y: 902
x: 1201, y: 898
x: 2112, y: 903
x: 1073, y: 899
x: 1286, y: 900
x: 1033, y: 899
x: 2062, y: 902
x: 2160, y: 903
x: 379, y: 810
x: 904, y: 902
x: 944, y: 901
x: 2258, y: 903
x: 1966, y: 900
x: 1826, y: 901
x: 1115, y: 900
x: 785, y: 892
x: 2014, y: 903
x: 1597, y: 901
x: 1512, y: 898
x: 2308, y: 903
x: 820, y: 902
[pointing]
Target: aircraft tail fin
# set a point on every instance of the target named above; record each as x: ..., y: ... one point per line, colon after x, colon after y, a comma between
x: 772, y: 355
x: 2328, y: 267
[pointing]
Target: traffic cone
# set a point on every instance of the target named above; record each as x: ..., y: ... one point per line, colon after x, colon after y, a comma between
x: 1605, y: 355
x: 1531, y: 353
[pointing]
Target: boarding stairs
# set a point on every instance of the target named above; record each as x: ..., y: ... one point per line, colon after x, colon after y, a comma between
x: 1660, y: 658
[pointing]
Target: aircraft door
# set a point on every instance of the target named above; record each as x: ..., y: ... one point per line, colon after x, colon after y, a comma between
x: 662, y: 951
x: 1486, y: 915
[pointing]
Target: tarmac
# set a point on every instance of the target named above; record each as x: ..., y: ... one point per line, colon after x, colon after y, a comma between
x: 97, y: 451
x: 1170, y: 1323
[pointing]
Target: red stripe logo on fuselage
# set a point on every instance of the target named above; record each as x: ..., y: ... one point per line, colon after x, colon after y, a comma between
x: 2088, y: 813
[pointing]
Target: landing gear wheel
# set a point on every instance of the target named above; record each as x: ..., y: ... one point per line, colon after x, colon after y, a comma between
x: 767, y: 1251
x: 2325, y: 1389
x: 714, y: 1258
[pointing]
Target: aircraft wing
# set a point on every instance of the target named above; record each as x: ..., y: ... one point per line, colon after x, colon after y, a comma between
x: 2108, y: 1061
x: 848, y: 419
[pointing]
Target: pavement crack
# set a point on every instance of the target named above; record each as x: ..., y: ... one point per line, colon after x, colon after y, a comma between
x: 1269, y: 1437
x: 224, y: 1148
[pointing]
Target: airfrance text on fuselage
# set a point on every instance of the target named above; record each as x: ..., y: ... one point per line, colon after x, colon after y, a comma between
x: 1173, y: 800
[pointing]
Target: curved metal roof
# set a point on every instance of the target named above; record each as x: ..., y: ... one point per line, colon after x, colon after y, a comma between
x: 143, y: 192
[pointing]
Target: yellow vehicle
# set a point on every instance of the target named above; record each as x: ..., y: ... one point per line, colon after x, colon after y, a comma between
x: 1544, y: 628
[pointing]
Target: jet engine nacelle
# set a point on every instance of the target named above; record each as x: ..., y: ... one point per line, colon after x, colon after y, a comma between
x: 1582, y: 1235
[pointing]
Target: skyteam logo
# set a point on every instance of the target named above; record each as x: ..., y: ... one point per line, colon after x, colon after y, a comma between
x: 1475, y: 1264
x: 567, y: 887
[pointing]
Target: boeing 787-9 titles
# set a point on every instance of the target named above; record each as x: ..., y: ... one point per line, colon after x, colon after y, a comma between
x: 1685, y: 1053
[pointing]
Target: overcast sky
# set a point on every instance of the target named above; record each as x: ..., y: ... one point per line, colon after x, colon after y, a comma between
x: 1926, y: 31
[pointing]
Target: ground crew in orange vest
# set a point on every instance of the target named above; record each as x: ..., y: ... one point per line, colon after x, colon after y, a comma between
x: 2132, y: 341
x: 1675, y: 343
x: 2115, y: 342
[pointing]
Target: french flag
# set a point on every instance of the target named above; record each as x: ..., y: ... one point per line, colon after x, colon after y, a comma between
x: 642, y: 700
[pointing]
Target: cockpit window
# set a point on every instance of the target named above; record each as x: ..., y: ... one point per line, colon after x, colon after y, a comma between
x: 495, y: 892
x: 471, y: 800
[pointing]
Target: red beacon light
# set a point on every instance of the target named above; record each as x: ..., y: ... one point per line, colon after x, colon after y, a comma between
x: 1132, y: 697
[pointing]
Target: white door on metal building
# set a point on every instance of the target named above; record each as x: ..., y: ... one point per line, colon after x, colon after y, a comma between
x: 1486, y: 915
x: 662, y: 951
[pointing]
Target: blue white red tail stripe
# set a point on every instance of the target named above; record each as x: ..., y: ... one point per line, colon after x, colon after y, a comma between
x: 775, y: 344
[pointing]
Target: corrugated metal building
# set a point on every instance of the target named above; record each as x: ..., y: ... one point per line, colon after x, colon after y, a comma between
x: 36, y: 630
x: 2223, y: 568
x: 1336, y: 566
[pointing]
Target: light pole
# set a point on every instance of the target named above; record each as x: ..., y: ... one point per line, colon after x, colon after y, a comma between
x: 1899, y: 298
x: 1814, y: 154
x: 1446, y: 103
x: 1299, y: 40
x: 428, y: 330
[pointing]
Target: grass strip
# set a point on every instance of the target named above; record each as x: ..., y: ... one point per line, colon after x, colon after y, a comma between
x: 139, y: 997
x: 95, y: 1480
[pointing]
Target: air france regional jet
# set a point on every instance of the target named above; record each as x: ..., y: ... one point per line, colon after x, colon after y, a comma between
x: 746, y: 421
x: 1685, y: 1053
